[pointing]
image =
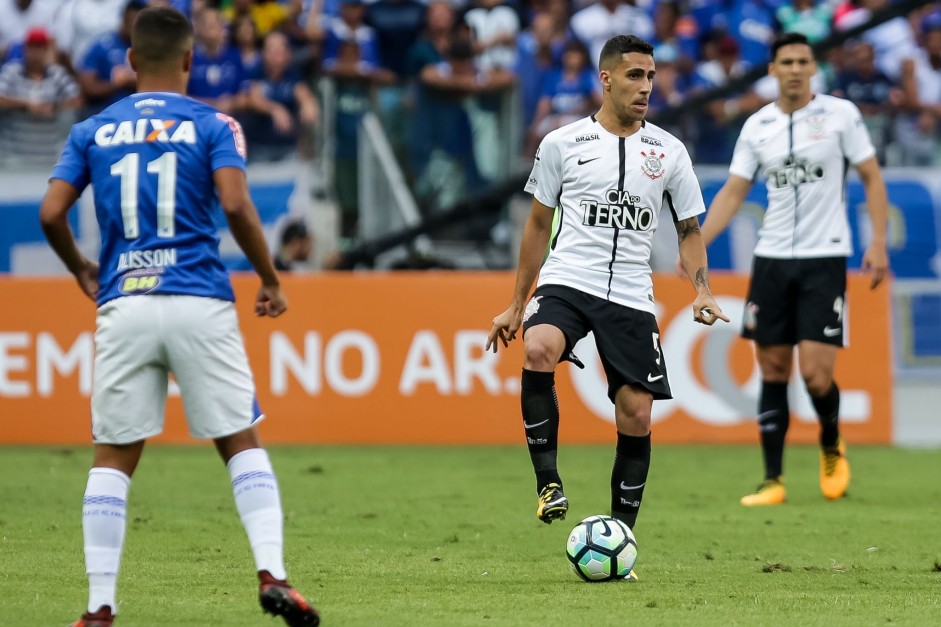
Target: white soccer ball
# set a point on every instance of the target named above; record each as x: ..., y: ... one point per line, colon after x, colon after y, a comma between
x: 601, y: 548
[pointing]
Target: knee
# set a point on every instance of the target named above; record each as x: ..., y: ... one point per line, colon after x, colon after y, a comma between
x: 775, y: 369
x: 818, y: 381
x: 539, y: 355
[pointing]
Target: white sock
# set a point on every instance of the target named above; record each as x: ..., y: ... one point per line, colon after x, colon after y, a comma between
x: 104, y: 520
x: 259, y: 506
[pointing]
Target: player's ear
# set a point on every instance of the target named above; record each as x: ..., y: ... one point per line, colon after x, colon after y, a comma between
x: 188, y: 60
x: 605, y: 76
x: 130, y: 59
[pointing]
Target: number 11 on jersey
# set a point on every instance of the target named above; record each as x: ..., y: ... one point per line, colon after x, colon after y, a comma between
x: 128, y: 168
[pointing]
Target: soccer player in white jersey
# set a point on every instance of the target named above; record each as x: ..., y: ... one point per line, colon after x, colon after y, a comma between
x: 610, y: 175
x: 158, y: 161
x: 801, y: 146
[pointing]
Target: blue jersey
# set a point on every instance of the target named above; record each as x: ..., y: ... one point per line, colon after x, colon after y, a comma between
x: 150, y: 159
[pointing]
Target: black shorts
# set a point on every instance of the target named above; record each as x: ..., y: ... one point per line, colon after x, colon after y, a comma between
x: 791, y: 300
x: 628, y: 340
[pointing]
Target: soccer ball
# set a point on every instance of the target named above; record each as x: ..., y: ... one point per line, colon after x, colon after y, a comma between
x: 601, y: 548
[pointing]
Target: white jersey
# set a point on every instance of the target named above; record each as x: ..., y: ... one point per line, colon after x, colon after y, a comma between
x: 803, y: 158
x: 610, y: 191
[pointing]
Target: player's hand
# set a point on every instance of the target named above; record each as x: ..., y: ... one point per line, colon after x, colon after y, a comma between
x: 706, y: 310
x: 270, y: 301
x: 505, y: 327
x: 87, y: 278
x: 876, y: 264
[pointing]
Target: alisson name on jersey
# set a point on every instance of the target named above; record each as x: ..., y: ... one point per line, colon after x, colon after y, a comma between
x: 136, y: 259
x: 146, y: 130
x: 620, y: 211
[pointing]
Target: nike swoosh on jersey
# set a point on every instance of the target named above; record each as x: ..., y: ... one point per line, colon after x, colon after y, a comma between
x: 651, y: 378
x: 583, y: 162
x: 529, y: 426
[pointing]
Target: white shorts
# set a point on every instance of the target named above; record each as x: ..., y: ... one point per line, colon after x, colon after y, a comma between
x: 140, y: 340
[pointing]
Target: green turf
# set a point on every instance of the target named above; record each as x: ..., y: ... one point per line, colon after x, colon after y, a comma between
x: 447, y: 536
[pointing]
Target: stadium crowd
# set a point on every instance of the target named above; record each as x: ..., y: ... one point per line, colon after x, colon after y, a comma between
x: 438, y: 73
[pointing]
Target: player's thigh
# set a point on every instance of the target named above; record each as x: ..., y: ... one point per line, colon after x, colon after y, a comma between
x: 822, y: 300
x: 628, y: 342
x: 770, y: 315
x: 207, y: 357
x: 129, y: 384
x: 554, y: 313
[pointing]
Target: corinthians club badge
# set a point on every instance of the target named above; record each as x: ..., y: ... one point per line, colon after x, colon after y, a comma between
x: 652, y: 165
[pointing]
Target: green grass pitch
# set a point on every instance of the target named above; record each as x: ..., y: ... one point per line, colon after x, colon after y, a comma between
x: 447, y: 536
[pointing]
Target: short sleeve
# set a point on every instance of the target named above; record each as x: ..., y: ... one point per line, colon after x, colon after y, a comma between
x: 745, y: 161
x: 72, y: 166
x: 228, y: 148
x: 854, y: 139
x: 683, y: 193
x: 545, y: 181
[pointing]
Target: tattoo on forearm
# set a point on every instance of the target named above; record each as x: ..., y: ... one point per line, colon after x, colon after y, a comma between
x: 688, y: 227
x: 702, y: 277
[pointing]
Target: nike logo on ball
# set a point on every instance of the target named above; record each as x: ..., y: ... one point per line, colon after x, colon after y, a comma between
x: 583, y: 162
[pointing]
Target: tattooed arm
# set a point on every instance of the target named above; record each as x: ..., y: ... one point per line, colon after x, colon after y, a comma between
x: 693, y: 260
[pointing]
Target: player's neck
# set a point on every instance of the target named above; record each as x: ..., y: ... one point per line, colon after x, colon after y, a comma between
x: 169, y: 83
x: 790, y: 105
x: 610, y: 122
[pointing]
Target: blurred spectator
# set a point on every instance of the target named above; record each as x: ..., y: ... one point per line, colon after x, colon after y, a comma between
x: 268, y: 15
x: 569, y: 94
x: 104, y: 74
x: 679, y: 31
x: 444, y: 139
x: 246, y: 40
x: 354, y: 80
x: 750, y: 22
x: 871, y: 90
x: 596, y: 24
x: 893, y: 41
x: 535, y: 58
x: 17, y: 17
x: 671, y: 84
x: 434, y: 42
x: 33, y: 94
x: 494, y: 27
x: 296, y: 246
x: 397, y: 24
x: 80, y: 23
x: 715, y: 137
x: 287, y: 109
x: 811, y: 18
x: 350, y: 25
x: 916, y: 130
x: 216, y: 77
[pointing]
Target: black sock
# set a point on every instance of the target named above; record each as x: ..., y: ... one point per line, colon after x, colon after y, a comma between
x: 828, y: 412
x: 774, y: 418
x: 541, y: 422
x: 629, y: 476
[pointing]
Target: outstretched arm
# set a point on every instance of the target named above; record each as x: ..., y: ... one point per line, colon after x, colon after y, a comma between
x: 53, y: 215
x: 693, y: 259
x: 876, y: 258
x: 532, y: 251
x: 242, y: 216
x: 726, y: 203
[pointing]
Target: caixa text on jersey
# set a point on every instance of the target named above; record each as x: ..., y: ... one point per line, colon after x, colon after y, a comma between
x: 620, y: 211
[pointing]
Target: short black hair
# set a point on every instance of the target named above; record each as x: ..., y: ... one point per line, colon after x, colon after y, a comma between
x: 160, y: 35
x: 787, y: 39
x: 620, y: 45
x: 294, y: 230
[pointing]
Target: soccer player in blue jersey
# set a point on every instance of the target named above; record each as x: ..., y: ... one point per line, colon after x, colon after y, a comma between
x: 158, y: 161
